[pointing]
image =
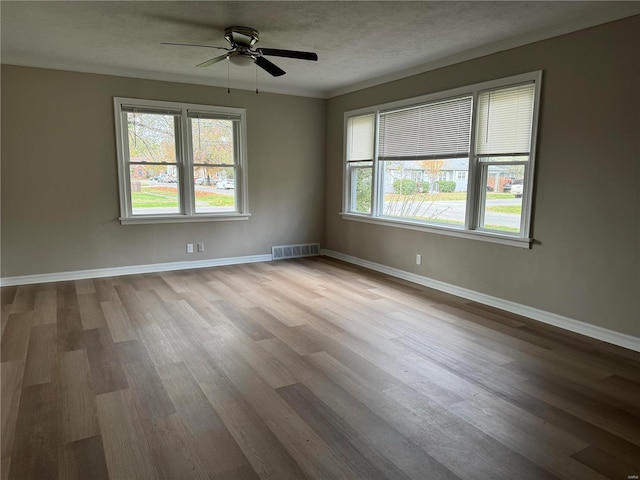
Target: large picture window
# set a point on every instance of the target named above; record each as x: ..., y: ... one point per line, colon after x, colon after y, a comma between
x: 458, y: 162
x: 180, y: 162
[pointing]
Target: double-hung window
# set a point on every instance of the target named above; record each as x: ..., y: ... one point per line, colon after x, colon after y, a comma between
x: 180, y: 162
x: 359, y: 157
x: 458, y: 162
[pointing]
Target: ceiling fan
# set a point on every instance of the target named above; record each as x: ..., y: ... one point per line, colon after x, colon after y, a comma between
x: 242, y: 51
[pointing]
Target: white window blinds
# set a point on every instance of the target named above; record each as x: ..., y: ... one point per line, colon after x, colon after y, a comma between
x: 504, y: 120
x: 434, y: 130
x: 360, y: 131
x: 212, y: 116
x: 150, y: 110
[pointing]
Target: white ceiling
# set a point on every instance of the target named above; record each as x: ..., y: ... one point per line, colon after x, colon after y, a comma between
x: 359, y: 43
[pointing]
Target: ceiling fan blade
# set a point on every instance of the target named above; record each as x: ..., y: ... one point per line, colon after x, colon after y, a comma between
x: 276, y: 52
x: 192, y: 45
x: 271, y: 68
x: 212, y: 61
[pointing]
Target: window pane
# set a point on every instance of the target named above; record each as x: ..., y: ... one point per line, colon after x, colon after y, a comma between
x: 212, y: 141
x: 215, y: 189
x: 152, y: 137
x: 427, y: 190
x: 432, y: 130
x: 361, y: 178
x: 154, y: 189
x: 506, y: 158
x: 502, y: 209
x: 360, y: 132
x: 505, y: 119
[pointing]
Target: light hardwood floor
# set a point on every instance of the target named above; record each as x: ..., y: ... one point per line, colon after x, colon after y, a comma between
x: 307, y: 368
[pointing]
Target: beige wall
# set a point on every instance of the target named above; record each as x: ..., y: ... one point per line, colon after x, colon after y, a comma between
x: 59, y: 175
x: 586, y: 222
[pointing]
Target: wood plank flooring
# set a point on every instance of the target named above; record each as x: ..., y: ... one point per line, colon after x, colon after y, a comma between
x: 302, y: 369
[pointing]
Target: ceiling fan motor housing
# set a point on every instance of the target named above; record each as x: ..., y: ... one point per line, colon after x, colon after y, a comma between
x: 241, y: 36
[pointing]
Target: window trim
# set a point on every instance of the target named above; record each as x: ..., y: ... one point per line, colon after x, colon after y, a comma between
x: 184, y: 159
x: 471, y: 228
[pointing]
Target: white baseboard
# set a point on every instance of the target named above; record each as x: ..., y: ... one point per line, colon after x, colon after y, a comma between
x: 130, y: 270
x: 593, y: 331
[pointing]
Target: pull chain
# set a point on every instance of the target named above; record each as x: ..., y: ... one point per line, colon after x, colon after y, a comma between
x: 228, y: 82
x: 256, y: 79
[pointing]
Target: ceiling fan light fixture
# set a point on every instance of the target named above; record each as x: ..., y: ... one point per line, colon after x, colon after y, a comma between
x: 241, y: 60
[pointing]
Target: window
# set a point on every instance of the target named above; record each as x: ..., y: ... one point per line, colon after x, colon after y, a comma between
x: 360, y: 160
x: 441, y: 162
x: 180, y: 162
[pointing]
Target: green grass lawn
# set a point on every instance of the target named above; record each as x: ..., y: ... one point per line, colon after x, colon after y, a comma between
x: 167, y: 197
x: 501, y: 228
x: 439, y: 220
x: 215, y: 199
x: 514, y: 209
x: 153, y: 200
x: 498, y: 196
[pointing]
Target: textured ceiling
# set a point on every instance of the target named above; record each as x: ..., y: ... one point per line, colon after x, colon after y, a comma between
x: 358, y: 43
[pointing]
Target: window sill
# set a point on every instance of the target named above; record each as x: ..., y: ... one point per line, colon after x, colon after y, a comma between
x: 450, y: 231
x: 152, y: 219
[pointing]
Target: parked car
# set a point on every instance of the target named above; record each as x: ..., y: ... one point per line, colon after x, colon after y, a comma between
x: 202, y: 181
x: 517, y: 187
x: 226, y: 184
x: 506, y: 187
x: 164, y: 178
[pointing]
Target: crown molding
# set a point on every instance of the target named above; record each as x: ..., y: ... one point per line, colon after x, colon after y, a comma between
x: 21, y: 61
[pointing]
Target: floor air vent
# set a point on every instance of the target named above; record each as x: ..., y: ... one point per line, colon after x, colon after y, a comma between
x: 293, y: 251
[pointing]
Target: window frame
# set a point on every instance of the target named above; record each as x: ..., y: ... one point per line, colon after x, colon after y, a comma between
x: 184, y: 160
x: 476, y: 174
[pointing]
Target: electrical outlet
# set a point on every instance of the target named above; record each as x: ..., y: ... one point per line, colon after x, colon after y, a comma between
x: 189, y: 247
x: 201, y: 246
x: 418, y: 259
